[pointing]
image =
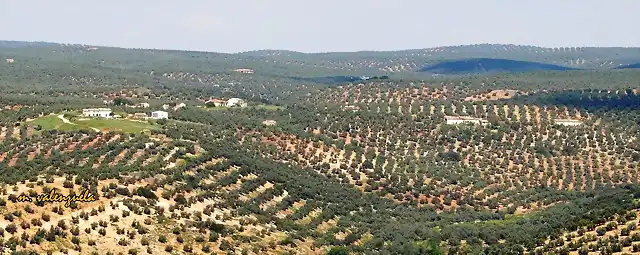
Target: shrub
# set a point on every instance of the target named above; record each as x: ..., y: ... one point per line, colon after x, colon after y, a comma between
x: 11, y: 228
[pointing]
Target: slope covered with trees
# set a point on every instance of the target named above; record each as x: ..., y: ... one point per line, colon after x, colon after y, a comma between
x: 335, y: 153
x: 412, y: 60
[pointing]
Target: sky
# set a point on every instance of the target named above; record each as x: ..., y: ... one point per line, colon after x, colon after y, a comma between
x: 320, y: 26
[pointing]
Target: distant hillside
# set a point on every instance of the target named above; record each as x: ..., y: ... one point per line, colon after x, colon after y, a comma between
x: 21, y: 44
x: 632, y: 66
x: 486, y: 65
x: 405, y: 61
x: 298, y: 64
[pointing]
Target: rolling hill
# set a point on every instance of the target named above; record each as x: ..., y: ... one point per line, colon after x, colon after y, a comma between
x: 361, y: 166
x: 370, y: 63
x: 404, y: 61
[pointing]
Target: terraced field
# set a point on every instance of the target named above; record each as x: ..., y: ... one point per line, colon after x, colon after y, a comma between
x: 95, y: 150
x: 507, y: 165
x: 213, y: 205
x: 618, y: 235
x: 154, y: 214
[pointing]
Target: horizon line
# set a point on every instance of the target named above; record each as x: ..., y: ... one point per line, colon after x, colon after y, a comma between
x: 323, y: 52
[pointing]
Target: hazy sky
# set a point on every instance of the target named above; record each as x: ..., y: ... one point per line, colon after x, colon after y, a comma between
x: 319, y: 26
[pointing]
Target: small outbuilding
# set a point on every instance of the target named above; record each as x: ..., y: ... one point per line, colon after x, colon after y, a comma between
x: 454, y: 120
x: 236, y: 102
x: 568, y: 122
x: 159, y: 115
x: 269, y: 122
x: 97, y: 112
x: 140, y: 115
x: 244, y: 70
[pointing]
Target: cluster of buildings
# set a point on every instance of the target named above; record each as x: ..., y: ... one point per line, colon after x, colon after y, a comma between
x: 107, y: 113
x: 175, y: 108
x: 155, y: 115
x: 139, y: 105
x: 232, y: 102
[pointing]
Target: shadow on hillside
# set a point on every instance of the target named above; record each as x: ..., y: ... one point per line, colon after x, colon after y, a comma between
x: 586, y: 99
x: 631, y: 66
x: 487, y: 65
x: 333, y: 80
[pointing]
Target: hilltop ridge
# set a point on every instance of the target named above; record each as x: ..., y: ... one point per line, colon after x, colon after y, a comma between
x: 376, y: 63
x: 405, y: 61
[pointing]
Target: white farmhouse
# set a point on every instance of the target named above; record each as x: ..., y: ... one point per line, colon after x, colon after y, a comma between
x: 269, y: 122
x: 236, y: 102
x: 216, y: 102
x: 454, y: 120
x: 140, y: 115
x: 244, y: 70
x: 180, y: 105
x: 97, y: 112
x: 568, y: 122
x: 159, y: 115
x: 354, y: 108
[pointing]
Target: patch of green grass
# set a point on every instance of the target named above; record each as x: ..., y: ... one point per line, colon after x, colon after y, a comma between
x: 52, y: 122
x: 126, y: 126
x: 508, y: 219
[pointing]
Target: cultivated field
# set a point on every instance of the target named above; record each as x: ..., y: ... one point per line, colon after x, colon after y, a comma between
x: 336, y: 153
